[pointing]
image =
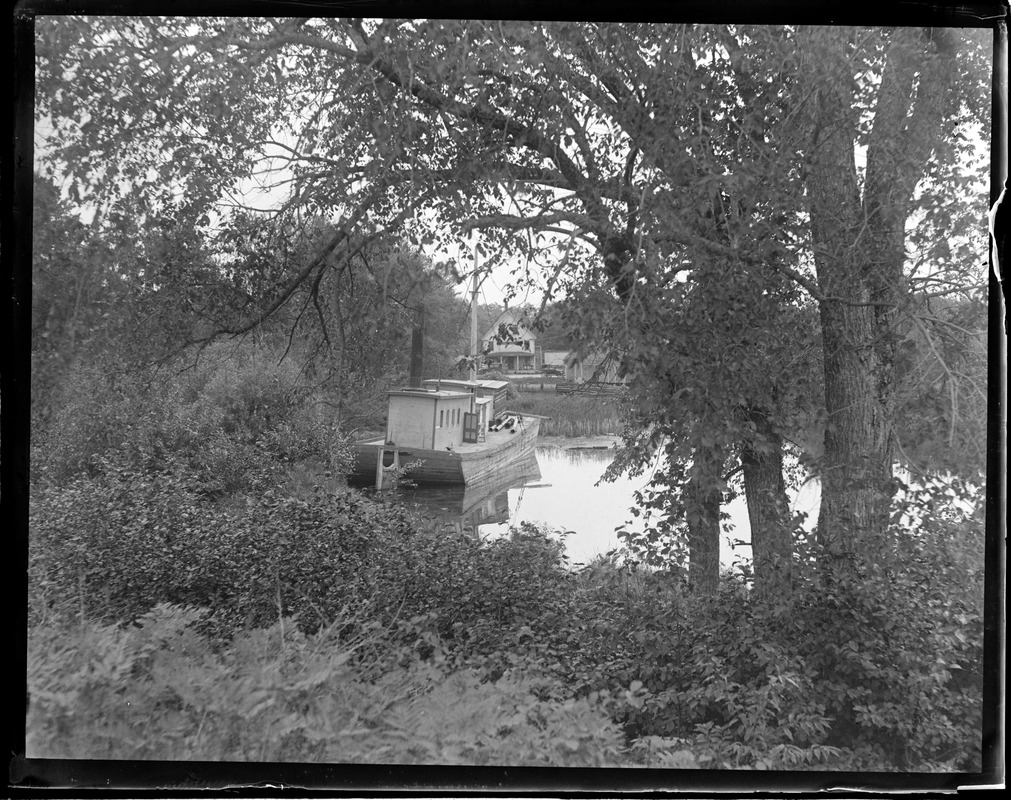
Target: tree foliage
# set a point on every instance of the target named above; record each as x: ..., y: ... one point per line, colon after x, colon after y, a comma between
x: 765, y: 225
x: 695, y: 188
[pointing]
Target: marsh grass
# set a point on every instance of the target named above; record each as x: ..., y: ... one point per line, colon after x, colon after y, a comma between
x: 571, y: 415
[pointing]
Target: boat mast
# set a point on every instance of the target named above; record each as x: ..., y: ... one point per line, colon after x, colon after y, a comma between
x: 473, y: 320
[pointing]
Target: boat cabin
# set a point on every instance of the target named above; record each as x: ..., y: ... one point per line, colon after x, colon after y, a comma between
x: 431, y: 419
x: 488, y: 395
x: 481, y: 387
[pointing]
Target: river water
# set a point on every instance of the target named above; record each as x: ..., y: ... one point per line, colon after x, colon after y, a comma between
x: 562, y: 489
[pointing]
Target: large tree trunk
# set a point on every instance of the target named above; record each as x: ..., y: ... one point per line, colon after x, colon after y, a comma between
x: 702, y: 511
x: 857, y: 456
x: 704, y: 542
x: 768, y: 508
x: 857, y: 470
x: 858, y: 246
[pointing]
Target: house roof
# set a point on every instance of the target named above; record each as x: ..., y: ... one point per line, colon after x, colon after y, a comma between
x: 511, y: 316
x: 427, y: 394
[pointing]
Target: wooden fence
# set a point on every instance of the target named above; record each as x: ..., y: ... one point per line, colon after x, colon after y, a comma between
x: 593, y: 389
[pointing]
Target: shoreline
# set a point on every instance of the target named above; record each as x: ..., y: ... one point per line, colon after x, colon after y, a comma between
x: 602, y: 441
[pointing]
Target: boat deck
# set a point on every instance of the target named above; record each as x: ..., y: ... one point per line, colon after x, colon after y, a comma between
x: 491, y: 441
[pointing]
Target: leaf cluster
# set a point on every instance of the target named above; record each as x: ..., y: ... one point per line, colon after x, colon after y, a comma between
x: 159, y: 689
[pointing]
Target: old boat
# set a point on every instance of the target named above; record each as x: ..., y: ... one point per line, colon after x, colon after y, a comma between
x: 444, y: 433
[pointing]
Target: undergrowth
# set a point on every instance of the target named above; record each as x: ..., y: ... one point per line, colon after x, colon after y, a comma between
x: 177, y: 611
x: 158, y: 689
x: 459, y: 651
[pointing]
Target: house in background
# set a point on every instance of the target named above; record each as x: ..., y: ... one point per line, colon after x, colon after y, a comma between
x: 593, y: 367
x: 547, y: 359
x: 509, y: 345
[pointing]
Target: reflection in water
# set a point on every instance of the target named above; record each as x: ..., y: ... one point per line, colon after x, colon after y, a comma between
x: 572, y: 498
x: 470, y: 507
x: 559, y: 488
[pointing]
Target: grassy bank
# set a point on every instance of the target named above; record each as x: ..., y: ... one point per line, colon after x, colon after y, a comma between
x: 571, y: 415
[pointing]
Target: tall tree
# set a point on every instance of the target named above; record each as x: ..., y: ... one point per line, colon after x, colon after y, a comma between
x: 858, y: 225
x: 685, y: 163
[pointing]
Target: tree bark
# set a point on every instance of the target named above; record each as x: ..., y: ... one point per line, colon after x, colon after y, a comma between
x: 857, y: 460
x: 858, y: 234
x: 768, y: 508
x: 702, y: 512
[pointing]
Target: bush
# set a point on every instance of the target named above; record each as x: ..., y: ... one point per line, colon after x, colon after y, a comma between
x: 879, y: 672
x: 158, y: 690
x: 98, y: 410
x: 744, y: 695
x: 882, y: 672
x: 113, y: 546
x: 232, y: 416
x: 492, y: 605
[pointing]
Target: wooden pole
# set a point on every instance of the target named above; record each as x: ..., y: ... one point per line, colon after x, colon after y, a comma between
x: 418, y: 346
x: 473, y: 320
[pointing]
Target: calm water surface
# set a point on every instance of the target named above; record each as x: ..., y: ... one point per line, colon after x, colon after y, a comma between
x: 562, y: 489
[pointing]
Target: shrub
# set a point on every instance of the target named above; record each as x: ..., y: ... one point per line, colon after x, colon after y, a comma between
x: 231, y: 416
x: 98, y: 409
x: 492, y: 605
x: 110, y: 546
x: 160, y: 691
x: 745, y: 696
x: 115, y: 545
x: 881, y: 672
x: 89, y: 691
